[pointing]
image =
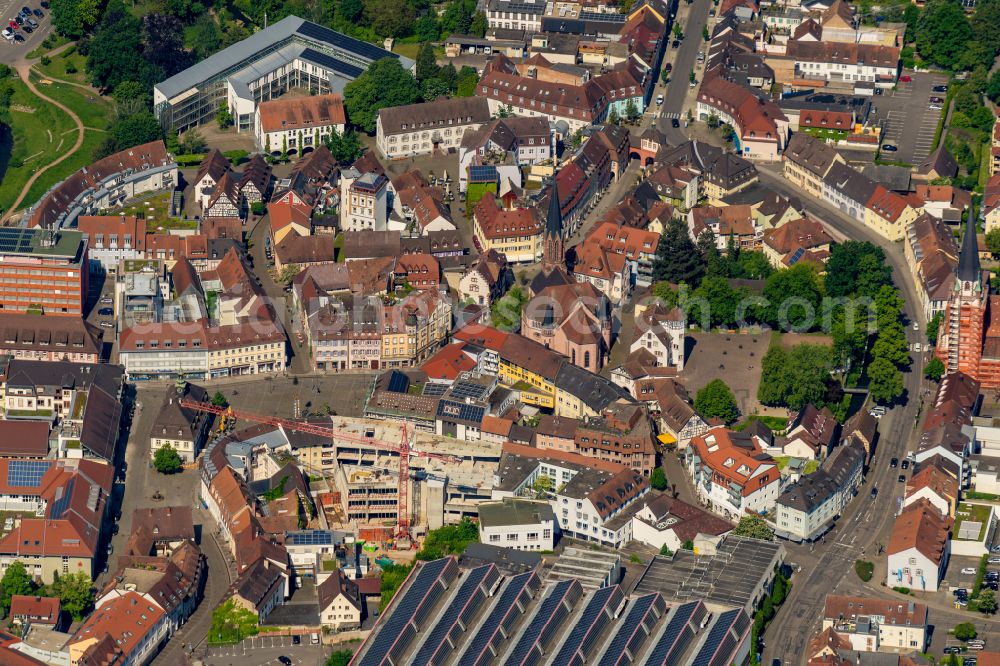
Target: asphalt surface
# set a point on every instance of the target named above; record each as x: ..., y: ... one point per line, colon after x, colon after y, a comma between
x: 12, y: 52
x: 685, y: 58
x: 865, y: 522
x: 910, y: 122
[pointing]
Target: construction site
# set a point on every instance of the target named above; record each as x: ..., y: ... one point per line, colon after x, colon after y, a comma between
x: 380, y: 480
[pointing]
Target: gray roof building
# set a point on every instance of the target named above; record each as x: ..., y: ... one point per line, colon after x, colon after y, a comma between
x: 192, y: 96
x: 514, y: 511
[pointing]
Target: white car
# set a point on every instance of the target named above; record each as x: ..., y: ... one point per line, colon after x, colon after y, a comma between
x: 916, y: 326
x: 994, y: 560
x: 968, y: 571
x: 8, y: 34
x: 659, y: 99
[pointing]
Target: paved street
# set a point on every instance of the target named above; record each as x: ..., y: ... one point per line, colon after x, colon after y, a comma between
x: 684, y: 59
x: 259, y: 651
x: 910, y: 123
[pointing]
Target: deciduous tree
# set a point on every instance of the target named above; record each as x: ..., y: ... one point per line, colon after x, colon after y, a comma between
x: 166, y: 460
x: 716, y: 400
x: 384, y: 84
x: 754, y: 527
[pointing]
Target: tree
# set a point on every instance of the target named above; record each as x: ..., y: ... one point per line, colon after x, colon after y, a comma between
x: 232, y: 623
x: 115, y: 52
x: 130, y: 98
x: 943, y: 34
x: 449, y: 540
x: 934, y: 370
x: 794, y: 295
x: 933, y: 327
x: 796, y: 377
x: 384, y: 84
x: 219, y: 400
x: 632, y: 113
x: 987, y: 602
x: 15, y: 581
x: 426, y: 66
x: 665, y: 551
x: 678, y: 31
x: 715, y: 303
x: 75, y: 593
x: 505, y: 313
x: 223, y: 117
x: 993, y: 236
x: 346, y: 148
x: 677, y: 259
x: 193, y: 142
x: 658, y: 479
x: 755, y: 528
x: 129, y: 131
x: 390, y: 18
x: 73, y: 18
x: 613, y: 116
x: 479, y: 25
x: 704, y: 33
x: 468, y: 79
x: 885, y: 381
x: 163, y: 43
x: 965, y: 631
x: 844, y: 269
x: 543, y: 484
x: 716, y: 400
x: 340, y: 658
x: 166, y: 460
x: 206, y: 38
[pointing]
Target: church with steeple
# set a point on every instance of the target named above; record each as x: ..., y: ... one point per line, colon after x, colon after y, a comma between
x: 553, y: 271
x: 968, y: 340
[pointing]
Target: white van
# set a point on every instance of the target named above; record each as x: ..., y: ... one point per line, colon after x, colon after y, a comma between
x: 314, y: 638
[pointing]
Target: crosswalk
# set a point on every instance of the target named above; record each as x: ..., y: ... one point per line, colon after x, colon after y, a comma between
x: 670, y: 116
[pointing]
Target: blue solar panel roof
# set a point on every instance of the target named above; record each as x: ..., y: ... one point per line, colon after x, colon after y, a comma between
x: 27, y: 473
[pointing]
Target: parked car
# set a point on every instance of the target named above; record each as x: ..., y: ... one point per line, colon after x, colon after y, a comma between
x: 39, y: 13
x: 937, y: 100
x: 994, y: 560
x: 659, y: 100
x: 902, y: 478
x: 285, y: 660
x: 674, y: 122
x: 19, y: 19
x: 32, y: 22
x: 889, y: 148
x: 13, y: 25
x: 942, y: 89
x: 893, y: 463
x: 960, y: 591
x: 668, y: 67
x: 711, y: 12
x: 18, y: 37
x: 934, y: 107
x: 968, y: 571
x: 951, y: 649
x: 107, y: 299
x: 296, y: 640
x: 874, y: 492
x: 107, y: 324
x: 676, y: 44
x: 8, y: 33
x: 905, y: 464
x: 905, y: 78
x: 106, y: 312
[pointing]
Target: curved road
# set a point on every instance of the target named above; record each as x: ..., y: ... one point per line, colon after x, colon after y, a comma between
x: 24, y: 71
x: 866, y: 522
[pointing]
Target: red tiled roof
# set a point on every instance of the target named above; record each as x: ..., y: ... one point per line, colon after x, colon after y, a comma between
x: 448, y: 363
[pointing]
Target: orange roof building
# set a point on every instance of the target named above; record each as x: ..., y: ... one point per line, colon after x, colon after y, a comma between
x: 919, y: 547
x: 298, y: 124
x: 725, y: 464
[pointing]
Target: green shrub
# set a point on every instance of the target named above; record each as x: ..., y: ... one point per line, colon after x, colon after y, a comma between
x: 864, y: 569
x: 46, y: 61
x: 901, y: 590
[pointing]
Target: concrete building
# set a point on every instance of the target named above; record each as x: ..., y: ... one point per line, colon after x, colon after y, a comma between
x: 733, y: 479
x: 919, y: 548
x: 43, y: 272
x: 666, y: 521
x: 112, y: 238
x: 340, y: 604
x: 364, y: 201
x: 291, y: 53
x: 875, y: 625
x: 517, y: 523
x: 182, y: 429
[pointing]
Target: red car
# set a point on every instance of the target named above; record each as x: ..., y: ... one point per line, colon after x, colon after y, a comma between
x: 13, y: 25
x: 905, y: 78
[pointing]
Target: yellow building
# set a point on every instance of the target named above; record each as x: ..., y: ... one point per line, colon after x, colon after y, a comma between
x: 515, y: 233
x: 888, y: 214
x: 806, y: 161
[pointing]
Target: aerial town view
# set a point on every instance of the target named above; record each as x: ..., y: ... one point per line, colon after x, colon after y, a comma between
x: 500, y: 332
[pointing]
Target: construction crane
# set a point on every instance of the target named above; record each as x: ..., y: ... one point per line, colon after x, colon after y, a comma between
x: 402, y: 449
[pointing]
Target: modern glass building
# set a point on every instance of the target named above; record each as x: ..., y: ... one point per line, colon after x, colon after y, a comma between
x: 292, y: 53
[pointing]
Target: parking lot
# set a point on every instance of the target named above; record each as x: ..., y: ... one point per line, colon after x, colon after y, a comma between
x: 909, y: 122
x: 261, y: 650
x: 13, y: 51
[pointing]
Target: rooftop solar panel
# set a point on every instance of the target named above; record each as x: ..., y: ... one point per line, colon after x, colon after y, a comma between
x: 61, y: 502
x: 638, y: 623
x: 482, y: 174
x: 333, y: 63
x: 605, y: 17
x: 504, y: 614
x: 435, y: 389
x: 716, y: 638
x: 26, y: 473
x: 467, y: 601
x: 340, y: 40
x: 676, y: 636
x: 582, y: 640
x: 547, y: 619
x: 310, y: 538
x: 398, y: 628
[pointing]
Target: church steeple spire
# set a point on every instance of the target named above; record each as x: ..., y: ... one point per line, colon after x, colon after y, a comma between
x: 969, y: 269
x: 552, y: 250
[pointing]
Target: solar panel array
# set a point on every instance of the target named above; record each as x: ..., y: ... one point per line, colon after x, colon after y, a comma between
x: 470, y: 598
x: 723, y: 639
x: 469, y: 390
x: 642, y: 616
x: 435, y: 389
x: 398, y: 382
x: 461, y: 411
x: 483, y: 174
x: 604, y: 17
x: 26, y: 472
x: 310, y: 538
x: 678, y: 634
x: 550, y: 615
x: 499, y: 624
x: 339, y: 40
x: 332, y: 63
x: 61, y: 503
x: 409, y: 612
x: 599, y: 612
x: 13, y: 239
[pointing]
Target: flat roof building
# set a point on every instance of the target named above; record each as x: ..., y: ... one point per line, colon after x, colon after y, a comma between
x: 292, y: 53
x: 43, y: 272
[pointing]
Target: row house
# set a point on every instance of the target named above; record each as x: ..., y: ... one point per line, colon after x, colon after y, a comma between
x: 734, y: 224
x: 931, y: 254
x: 213, y: 167
x: 761, y: 127
x: 428, y: 127
x: 523, y: 141
x: 844, y: 62
x: 112, y: 238
x: 732, y: 474
x: 807, y: 161
x: 515, y: 233
x: 621, y: 434
x: 637, y: 246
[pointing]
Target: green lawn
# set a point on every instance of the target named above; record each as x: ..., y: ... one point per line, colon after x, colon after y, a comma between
x: 76, y: 161
x: 971, y: 512
x: 819, y: 133
x: 154, y: 210
x: 93, y: 109
x: 41, y: 133
x: 53, y: 41
x: 410, y: 50
x: 57, y: 66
